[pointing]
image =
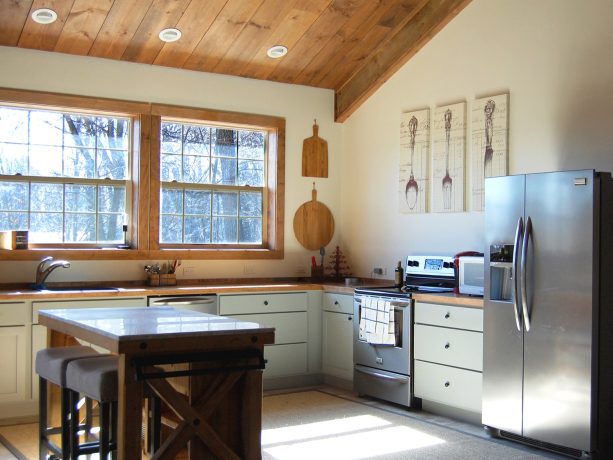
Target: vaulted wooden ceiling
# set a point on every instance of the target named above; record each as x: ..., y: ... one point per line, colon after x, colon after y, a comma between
x: 350, y: 46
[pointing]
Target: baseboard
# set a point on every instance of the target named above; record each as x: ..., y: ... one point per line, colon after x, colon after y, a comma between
x: 293, y: 381
x: 338, y: 382
x: 14, y: 413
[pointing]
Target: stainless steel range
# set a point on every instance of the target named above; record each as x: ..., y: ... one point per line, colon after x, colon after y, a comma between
x: 383, y: 331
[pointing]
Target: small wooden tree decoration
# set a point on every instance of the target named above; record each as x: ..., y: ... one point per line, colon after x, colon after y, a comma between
x: 337, y: 267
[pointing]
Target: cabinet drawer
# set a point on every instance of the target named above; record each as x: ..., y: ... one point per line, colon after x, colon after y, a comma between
x: 284, y: 360
x: 98, y: 303
x: 448, y: 385
x: 13, y: 314
x: 340, y: 303
x: 289, y: 327
x: 262, y: 303
x: 449, y: 316
x: 449, y: 346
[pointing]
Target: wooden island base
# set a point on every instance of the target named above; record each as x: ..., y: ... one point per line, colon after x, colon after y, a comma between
x: 221, y: 418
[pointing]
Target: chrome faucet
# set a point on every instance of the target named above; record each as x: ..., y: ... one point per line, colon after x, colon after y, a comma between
x: 44, y: 269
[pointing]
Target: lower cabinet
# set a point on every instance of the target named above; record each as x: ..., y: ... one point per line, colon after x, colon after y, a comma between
x: 337, y: 352
x: 13, y: 351
x: 13, y: 365
x: 448, y: 352
x: 287, y: 313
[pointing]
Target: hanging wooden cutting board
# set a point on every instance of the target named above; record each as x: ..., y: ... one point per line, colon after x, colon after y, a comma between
x: 315, y: 155
x: 313, y: 224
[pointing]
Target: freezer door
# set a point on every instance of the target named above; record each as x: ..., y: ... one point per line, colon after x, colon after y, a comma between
x: 559, y: 280
x: 502, y: 341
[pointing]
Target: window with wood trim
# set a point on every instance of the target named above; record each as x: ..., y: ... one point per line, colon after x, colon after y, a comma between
x: 218, y: 180
x: 65, y: 176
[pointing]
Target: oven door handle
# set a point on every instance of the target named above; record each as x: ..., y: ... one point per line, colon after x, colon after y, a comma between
x: 381, y: 376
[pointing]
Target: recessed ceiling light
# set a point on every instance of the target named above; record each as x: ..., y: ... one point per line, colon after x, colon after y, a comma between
x: 170, y: 35
x: 44, y: 16
x: 277, y: 51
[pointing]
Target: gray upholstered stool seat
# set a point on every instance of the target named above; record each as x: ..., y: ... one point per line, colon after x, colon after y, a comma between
x: 50, y: 365
x: 96, y: 379
x: 51, y: 362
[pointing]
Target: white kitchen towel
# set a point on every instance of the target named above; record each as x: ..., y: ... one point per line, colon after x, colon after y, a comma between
x: 377, y: 322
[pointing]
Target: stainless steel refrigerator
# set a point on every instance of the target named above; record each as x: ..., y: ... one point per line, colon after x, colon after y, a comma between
x: 548, y: 321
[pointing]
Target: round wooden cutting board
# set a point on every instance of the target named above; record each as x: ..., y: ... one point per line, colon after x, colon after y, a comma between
x: 313, y: 224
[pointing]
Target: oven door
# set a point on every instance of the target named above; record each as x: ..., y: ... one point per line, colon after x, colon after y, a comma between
x: 383, y: 371
x: 396, y: 359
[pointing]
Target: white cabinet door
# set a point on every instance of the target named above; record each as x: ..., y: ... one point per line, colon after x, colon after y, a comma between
x: 13, y: 364
x: 285, y: 360
x: 338, y: 345
x: 287, y: 313
x: 289, y: 327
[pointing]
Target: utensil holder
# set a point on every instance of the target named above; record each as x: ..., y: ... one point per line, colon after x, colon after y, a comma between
x: 168, y: 280
x: 317, y: 273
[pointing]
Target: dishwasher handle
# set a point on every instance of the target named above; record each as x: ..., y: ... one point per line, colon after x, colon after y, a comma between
x: 184, y: 301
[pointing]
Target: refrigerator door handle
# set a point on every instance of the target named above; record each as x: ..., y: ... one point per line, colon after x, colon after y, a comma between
x: 518, y: 236
x: 524, y: 258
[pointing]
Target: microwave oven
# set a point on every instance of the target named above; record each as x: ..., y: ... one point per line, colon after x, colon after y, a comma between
x: 471, y: 275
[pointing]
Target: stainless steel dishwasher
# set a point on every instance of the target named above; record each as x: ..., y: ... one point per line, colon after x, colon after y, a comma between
x: 206, y: 303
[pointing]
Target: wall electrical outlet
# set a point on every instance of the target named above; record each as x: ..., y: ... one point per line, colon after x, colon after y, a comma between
x: 248, y: 270
x: 189, y: 271
x: 300, y: 270
x: 379, y: 271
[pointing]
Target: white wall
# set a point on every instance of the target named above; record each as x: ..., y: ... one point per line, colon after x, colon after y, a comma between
x: 27, y: 69
x: 554, y: 59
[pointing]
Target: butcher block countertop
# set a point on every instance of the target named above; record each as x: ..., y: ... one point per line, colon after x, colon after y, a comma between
x: 221, y: 287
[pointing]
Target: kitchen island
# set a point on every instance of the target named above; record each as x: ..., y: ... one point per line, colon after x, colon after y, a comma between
x: 222, y: 415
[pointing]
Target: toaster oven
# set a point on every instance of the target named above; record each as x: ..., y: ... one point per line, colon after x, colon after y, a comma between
x: 471, y: 275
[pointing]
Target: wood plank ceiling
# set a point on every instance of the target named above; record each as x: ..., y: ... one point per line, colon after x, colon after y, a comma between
x: 349, y: 46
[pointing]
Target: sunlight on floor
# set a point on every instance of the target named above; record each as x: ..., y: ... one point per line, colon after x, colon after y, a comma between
x: 347, y: 438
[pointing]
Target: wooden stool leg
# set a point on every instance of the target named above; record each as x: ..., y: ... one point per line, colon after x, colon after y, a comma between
x: 113, y: 443
x: 74, y: 424
x: 88, y: 418
x: 66, y: 411
x: 105, y: 425
x: 42, y: 418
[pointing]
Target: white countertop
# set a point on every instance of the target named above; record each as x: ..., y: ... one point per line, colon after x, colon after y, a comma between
x: 143, y: 323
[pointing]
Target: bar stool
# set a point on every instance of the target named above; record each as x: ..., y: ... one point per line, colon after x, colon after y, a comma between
x: 51, y: 366
x: 96, y: 379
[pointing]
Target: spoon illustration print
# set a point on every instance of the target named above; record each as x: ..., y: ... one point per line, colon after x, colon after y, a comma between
x: 489, y: 132
x: 412, y: 189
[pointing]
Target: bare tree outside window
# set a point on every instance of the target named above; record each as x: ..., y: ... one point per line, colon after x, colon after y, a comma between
x: 64, y: 176
x: 212, y: 183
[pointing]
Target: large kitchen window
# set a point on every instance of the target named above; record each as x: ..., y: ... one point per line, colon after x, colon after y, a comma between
x: 212, y: 184
x: 219, y: 179
x: 64, y: 176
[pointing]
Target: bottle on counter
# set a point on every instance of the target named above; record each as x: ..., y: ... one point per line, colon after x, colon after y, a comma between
x: 398, y: 275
